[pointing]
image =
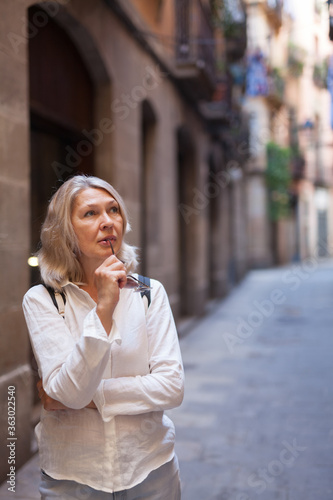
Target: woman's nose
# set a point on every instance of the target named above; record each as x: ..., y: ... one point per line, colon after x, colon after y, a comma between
x: 106, y: 221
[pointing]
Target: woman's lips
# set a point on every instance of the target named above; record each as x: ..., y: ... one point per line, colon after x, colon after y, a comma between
x: 106, y: 241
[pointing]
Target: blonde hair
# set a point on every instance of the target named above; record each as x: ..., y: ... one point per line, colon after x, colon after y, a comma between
x: 57, y: 256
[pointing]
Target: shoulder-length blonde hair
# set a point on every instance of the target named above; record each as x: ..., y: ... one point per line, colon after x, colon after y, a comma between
x: 57, y: 256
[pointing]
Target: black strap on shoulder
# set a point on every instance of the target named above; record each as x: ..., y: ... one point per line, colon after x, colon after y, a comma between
x: 145, y: 293
x: 52, y: 295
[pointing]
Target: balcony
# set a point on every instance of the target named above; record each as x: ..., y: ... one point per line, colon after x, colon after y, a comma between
x: 276, y: 87
x: 232, y: 20
x: 217, y: 111
x: 296, y: 60
x: 236, y: 42
x: 195, y: 49
x: 297, y: 167
x: 273, y: 9
x: 320, y: 71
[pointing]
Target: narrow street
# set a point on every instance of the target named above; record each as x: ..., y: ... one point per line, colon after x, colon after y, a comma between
x: 257, y: 419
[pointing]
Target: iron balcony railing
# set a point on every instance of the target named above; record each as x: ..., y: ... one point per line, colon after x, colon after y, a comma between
x: 195, y: 35
x: 274, y: 11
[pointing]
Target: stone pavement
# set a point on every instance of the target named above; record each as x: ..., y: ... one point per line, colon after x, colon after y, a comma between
x: 257, y: 418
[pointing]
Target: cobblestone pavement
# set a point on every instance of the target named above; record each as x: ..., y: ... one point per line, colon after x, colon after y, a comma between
x: 257, y: 418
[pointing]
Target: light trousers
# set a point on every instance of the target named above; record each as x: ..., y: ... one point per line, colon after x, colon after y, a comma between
x: 161, y: 484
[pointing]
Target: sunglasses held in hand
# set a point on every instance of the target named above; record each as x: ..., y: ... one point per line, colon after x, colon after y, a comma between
x: 132, y: 282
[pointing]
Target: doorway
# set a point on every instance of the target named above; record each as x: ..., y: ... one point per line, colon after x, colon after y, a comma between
x: 148, y: 188
x: 187, y: 221
x: 61, y: 109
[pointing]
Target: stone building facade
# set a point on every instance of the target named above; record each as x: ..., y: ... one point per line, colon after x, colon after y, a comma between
x: 294, y: 112
x: 121, y: 90
x: 309, y: 96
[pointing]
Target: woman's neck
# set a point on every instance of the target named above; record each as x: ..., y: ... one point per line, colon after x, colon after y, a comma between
x: 91, y: 290
x: 88, y: 282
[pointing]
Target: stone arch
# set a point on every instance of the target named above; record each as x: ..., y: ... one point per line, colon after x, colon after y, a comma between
x: 70, y: 109
x: 80, y: 37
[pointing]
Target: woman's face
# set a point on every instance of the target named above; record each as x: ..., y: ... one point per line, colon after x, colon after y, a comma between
x: 96, y: 219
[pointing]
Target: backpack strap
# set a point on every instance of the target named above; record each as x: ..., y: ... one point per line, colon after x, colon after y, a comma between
x: 58, y: 299
x: 145, y: 293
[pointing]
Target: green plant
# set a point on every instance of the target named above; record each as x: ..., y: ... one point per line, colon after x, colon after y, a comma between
x: 278, y: 180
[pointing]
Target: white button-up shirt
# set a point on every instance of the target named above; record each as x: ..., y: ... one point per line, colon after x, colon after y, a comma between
x: 132, y: 375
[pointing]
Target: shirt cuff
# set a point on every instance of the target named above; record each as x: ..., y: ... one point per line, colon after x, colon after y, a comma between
x: 92, y: 327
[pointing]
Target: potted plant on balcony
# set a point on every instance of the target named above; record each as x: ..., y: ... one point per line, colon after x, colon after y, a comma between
x: 276, y: 85
x: 296, y: 59
x: 320, y: 74
x: 231, y: 20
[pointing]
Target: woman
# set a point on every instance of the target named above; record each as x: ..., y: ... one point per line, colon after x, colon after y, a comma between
x: 111, y: 366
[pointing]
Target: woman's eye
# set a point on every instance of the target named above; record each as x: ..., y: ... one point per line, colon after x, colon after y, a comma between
x: 89, y: 213
x: 114, y: 210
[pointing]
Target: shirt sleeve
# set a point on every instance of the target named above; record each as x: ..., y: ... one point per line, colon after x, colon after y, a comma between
x: 163, y: 387
x: 71, y: 369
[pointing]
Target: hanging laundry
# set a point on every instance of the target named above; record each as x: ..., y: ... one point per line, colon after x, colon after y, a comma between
x: 256, y: 75
x: 330, y: 84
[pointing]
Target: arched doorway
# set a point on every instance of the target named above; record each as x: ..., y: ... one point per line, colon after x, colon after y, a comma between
x: 70, y: 97
x: 61, y: 109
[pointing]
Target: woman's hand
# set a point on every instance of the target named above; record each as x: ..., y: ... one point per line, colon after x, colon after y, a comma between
x: 110, y: 277
x: 51, y: 404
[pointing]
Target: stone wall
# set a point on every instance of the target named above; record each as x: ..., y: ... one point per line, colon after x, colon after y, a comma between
x: 15, y: 371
